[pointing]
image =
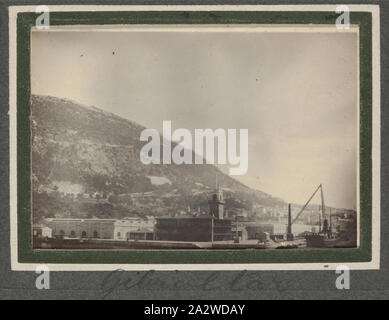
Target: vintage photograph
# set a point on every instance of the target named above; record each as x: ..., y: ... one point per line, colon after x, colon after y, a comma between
x: 195, y: 137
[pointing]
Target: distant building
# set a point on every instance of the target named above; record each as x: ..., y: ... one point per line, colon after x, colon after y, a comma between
x: 240, y: 231
x: 256, y: 230
x: 134, y: 229
x: 82, y: 228
x: 343, y: 222
x: 124, y: 229
x: 42, y: 231
x: 216, y: 204
x: 204, y: 229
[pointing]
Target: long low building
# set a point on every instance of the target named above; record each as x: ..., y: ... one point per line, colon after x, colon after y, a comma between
x: 125, y: 229
x: 255, y: 230
x: 134, y: 229
x: 201, y: 229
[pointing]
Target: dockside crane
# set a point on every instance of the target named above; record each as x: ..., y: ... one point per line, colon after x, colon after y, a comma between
x: 321, y: 218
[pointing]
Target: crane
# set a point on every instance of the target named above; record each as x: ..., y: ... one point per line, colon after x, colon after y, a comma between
x: 322, y: 215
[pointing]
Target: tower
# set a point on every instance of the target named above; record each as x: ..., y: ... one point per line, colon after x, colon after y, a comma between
x: 216, y: 204
x: 289, y: 234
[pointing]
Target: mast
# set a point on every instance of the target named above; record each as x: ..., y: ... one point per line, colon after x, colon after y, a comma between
x: 236, y: 230
x: 330, y: 221
x: 320, y: 218
x: 323, y: 207
x: 212, y: 227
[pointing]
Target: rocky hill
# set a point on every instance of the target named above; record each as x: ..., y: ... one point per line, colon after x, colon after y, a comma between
x: 85, y: 163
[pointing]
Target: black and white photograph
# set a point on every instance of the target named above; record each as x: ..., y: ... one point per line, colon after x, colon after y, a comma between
x: 195, y: 137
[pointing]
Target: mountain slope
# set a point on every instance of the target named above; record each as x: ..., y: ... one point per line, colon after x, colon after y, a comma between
x: 85, y: 163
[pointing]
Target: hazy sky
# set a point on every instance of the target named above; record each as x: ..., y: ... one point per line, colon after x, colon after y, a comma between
x: 296, y: 93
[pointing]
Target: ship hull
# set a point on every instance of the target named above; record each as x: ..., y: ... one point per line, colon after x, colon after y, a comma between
x: 321, y: 241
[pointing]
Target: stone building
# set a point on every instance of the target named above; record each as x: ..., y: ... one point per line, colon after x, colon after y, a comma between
x: 42, y: 231
x: 82, y: 228
x: 203, y: 229
x: 134, y: 229
x: 124, y: 229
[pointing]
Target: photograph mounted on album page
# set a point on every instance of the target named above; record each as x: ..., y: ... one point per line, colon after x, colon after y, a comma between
x: 196, y: 138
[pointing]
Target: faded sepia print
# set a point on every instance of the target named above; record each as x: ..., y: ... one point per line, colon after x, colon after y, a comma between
x: 200, y: 137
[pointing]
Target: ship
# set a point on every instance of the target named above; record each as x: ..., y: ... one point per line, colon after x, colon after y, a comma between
x: 329, y: 236
x: 324, y: 241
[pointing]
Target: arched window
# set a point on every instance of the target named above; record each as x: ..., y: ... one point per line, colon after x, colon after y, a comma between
x: 62, y: 233
x: 83, y: 234
x: 73, y: 234
x: 95, y: 234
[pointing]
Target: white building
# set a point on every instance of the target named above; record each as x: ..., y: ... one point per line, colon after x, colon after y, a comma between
x: 42, y: 231
x: 134, y: 228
